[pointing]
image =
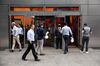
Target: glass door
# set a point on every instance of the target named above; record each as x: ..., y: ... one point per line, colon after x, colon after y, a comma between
x: 24, y: 23
x: 48, y: 23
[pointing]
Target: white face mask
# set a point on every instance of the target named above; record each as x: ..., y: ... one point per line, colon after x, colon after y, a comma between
x: 59, y: 27
x: 49, y: 28
x: 42, y: 26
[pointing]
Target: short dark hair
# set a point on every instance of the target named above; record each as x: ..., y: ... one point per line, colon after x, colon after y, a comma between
x: 85, y: 24
x: 66, y: 23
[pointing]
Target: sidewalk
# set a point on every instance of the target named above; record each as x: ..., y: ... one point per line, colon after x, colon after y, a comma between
x: 53, y: 57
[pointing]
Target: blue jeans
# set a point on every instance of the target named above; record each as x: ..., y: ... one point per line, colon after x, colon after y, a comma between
x: 66, y: 39
x: 85, y: 41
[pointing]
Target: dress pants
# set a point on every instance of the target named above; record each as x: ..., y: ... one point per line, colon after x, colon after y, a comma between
x: 58, y: 43
x: 22, y: 40
x: 30, y: 47
x: 16, y: 38
x: 66, y: 39
x: 39, y: 47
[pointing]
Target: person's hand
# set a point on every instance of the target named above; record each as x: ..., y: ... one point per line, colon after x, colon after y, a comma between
x: 30, y: 42
x: 55, y: 36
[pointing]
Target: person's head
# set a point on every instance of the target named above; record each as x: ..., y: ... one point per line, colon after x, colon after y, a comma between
x: 65, y: 24
x: 85, y: 24
x: 13, y: 23
x: 32, y: 26
x: 59, y: 25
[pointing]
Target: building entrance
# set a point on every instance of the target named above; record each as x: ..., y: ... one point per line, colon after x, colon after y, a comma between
x: 50, y: 24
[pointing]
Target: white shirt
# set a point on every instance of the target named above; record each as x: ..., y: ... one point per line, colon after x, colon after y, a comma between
x: 15, y: 31
x: 30, y: 35
x: 66, y: 30
x: 20, y: 30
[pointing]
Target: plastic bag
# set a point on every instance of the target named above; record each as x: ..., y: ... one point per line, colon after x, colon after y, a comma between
x: 46, y: 36
x: 72, y: 39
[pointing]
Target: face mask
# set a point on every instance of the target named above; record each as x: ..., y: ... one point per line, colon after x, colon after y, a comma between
x: 59, y: 27
x: 42, y: 26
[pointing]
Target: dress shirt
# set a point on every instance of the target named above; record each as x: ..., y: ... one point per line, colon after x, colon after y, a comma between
x: 20, y: 30
x: 15, y: 31
x: 30, y: 35
x: 66, y: 30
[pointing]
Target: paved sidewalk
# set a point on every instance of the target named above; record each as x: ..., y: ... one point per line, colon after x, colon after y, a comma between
x: 53, y: 57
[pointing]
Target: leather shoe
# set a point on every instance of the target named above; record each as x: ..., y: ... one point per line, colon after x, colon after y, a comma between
x: 37, y: 59
x: 24, y: 59
x: 42, y: 54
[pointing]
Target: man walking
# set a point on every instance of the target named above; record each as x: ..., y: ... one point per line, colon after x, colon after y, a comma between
x: 85, y: 37
x: 40, y: 39
x: 31, y: 42
x: 15, y: 32
x: 66, y: 32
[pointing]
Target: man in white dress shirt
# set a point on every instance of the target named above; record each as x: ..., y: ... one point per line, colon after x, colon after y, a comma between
x: 66, y: 32
x: 31, y: 42
x: 15, y: 32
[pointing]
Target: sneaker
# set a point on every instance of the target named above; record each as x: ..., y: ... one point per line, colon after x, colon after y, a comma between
x: 86, y: 52
x: 81, y: 51
x: 37, y: 59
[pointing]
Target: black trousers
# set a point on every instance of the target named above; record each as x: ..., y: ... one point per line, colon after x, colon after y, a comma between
x: 66, y: 39
x: 22, y: 40
x: 85, y: 41
x: 30, y: 47
x: 58, y: 43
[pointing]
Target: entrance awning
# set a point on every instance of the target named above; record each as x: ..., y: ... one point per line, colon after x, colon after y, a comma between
x: 56, y: 13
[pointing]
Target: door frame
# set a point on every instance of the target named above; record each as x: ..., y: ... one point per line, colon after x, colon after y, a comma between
x: 10, y: 30
x: 62, y: 14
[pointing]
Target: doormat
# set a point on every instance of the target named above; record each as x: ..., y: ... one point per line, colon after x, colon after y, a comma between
x: 95, y: 47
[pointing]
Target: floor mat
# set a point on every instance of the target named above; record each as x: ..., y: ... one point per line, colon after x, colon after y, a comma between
x: 95, y: 47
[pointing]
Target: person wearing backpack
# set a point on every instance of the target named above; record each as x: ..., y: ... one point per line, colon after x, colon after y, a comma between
x: 40, y: 39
